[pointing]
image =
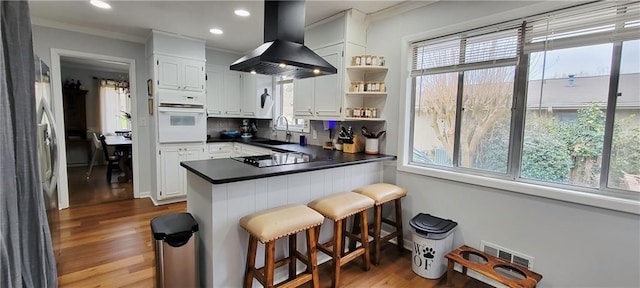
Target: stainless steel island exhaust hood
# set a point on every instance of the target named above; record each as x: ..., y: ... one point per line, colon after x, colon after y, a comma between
x: 284, y: 53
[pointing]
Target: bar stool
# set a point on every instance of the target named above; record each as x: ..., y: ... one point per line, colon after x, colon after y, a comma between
x: 338, y: 207
x: 382, y: 193
x: 268, y: 226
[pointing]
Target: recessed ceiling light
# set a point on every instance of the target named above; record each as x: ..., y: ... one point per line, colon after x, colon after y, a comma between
x: 253, y: 71
x: 282, y: 65
x: 316, y: 71
x: 215, y: 31
x: 100, y: 4
x: 242, y: 12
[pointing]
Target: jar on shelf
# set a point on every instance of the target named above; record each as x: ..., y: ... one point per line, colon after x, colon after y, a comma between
x: 383, y: 88
x: 369, y: 86
x: 374, y: 113
x: 368, y: 60
x: 356, y: 112
x: 348, y: 112
x: 376, y: 86
x: 360, y: 86
x: 367, y: 113
x: 381, y: 61
x: 357, y: 60
x: 374, y: 61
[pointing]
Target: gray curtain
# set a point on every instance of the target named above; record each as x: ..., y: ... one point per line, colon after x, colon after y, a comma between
x: 26, y: 255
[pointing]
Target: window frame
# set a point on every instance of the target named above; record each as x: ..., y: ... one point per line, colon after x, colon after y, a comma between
x: 279, y: 82
x: 603, y: 196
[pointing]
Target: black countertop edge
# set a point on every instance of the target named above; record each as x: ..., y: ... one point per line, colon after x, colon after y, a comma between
x: 319, y: 165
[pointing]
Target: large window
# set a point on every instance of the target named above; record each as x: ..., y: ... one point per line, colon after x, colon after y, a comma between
x: 553, y: 100
x: 115, y: 108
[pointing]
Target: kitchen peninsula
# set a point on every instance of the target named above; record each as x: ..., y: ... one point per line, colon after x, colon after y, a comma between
x: 221, y: 191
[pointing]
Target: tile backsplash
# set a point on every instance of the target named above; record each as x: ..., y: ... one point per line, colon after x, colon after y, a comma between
x: 265, y: 130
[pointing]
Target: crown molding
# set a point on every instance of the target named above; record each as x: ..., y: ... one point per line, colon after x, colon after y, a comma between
x: 397, y: 10
x: 85, y: 30
x: 225, y: 50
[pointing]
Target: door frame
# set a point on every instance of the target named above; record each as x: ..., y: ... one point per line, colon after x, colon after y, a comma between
x: 58, y: 108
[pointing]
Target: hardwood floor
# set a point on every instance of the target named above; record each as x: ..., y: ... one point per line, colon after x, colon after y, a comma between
x: 109, y: 245
x: 95, y: 190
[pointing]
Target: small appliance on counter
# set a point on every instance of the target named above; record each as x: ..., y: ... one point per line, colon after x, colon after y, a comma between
x: 247, y: 129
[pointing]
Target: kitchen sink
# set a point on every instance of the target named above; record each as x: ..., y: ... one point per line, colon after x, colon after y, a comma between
x: 271, y: 142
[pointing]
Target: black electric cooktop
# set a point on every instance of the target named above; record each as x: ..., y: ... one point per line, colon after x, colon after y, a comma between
x: 275, y: 159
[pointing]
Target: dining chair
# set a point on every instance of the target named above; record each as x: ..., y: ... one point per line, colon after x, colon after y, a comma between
x: 112, y: 160
x: 96, y: 146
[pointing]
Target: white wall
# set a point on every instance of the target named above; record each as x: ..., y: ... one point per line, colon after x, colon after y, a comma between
x: 573, y: 245
x: 45, y: 38
x: 216, y: 57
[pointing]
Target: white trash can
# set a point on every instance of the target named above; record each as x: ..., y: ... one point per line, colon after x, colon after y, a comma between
x: 432, y: 239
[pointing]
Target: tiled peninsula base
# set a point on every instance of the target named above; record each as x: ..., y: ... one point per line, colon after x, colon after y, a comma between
x: 218, y: 209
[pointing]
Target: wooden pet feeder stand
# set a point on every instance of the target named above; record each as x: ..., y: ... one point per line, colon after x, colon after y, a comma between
x: 489, y: 266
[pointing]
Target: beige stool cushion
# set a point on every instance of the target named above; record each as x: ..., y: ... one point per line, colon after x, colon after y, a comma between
x: 341, y: 205
x: 382, y: 192
x: 277, y: 222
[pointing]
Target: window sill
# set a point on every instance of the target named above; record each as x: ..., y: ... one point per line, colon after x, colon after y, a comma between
x: 292, y: 129
x: 600, y: 201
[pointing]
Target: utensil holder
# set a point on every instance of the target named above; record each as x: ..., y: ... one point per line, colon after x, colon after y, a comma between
x: 371, y: 146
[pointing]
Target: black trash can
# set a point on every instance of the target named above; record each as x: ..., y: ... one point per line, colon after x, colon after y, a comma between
x: 176, y: 251
x: 432, y: 239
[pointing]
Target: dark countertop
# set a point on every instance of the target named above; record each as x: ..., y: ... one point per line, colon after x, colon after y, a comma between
x: 220, y: 171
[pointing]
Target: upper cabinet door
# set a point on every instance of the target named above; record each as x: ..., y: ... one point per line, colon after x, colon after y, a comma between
x: 169, y: 73
x: 264, y: 96
x: 193, y: 72
x: 231, y: 100
x: 328, y: 89
x: 215, y: 90
x: 249, y: 96
x: 303, y: 97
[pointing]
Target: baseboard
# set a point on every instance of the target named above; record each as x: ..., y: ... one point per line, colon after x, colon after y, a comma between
x: 166, y: 201
x: 145, y: 194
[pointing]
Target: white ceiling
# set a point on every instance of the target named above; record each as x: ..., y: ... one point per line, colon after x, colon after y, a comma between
x: 132, y: 20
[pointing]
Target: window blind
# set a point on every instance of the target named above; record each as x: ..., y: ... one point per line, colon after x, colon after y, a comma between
x: 594, y: 23
x: 484, y: 47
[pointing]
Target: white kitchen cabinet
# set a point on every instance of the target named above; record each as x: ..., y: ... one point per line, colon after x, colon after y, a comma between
x: 215, y: 91
x: 173, y: 177
x: 253, y: 89
x: 249, y: 97
x: 231, y: 103
x: 180, y: 74
x: 321, y: 97
x: 251, y: 150
x: 237, y: 94
x: 219, y: 150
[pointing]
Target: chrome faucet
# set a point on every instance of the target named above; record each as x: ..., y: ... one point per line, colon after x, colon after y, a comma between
x: 288, y: 133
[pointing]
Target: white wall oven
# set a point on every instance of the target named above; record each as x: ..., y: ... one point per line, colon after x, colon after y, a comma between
x: 178, y: 125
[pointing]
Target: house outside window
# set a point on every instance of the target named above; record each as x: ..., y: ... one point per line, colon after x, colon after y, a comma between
x: 552, y: 101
